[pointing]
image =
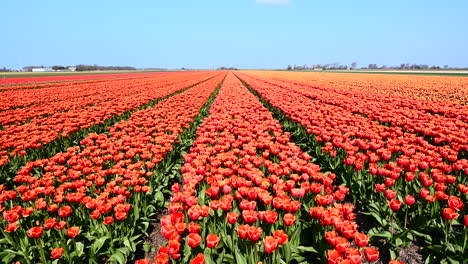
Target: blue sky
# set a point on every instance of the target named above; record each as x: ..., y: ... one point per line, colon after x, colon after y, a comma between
x: 241, y: 33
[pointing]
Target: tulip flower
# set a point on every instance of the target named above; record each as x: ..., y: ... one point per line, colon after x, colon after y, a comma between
x: 73, y: 231
x: 56, y: 253
x: 270, y: 243
x: 35, y: 232
x: 212, y: 240
x: 199, y: 259
x: 371, y: 254
x: 194, y: 240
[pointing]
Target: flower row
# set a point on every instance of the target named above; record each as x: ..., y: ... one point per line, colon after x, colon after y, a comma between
x: 16, y: 139
x: 406, y: 180
x: 89, y: 201
x: 249, y: 194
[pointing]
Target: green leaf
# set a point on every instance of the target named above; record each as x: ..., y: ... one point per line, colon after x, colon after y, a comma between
x: 428, y: 238
x: 453, y: 261
x: 159, y: 198
x: 450, y: 247
x: 97, y: 245
x: 129, y: 244
x: 307, y: 249
x: 384, y: 234
x: 7, y: 257
x: 240, y: 259
x: 125, y: 251
x: 118, y: 257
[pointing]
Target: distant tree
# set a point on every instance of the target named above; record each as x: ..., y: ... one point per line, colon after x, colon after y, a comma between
x: 4, y: 69
x: 57, y: 67
x: 82, y: 67
x: 372, y: 66
x: 354, y: 65
x: 289, y: 68
x: 445, y: 66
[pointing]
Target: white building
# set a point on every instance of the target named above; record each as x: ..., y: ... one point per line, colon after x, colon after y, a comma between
x: 47, y: 69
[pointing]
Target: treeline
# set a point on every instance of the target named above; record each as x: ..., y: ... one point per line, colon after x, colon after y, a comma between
x: 353, y: 66
x: 79, y: 67
x: 6, y: 70
x: 83, y: 67
x: 227, y: 69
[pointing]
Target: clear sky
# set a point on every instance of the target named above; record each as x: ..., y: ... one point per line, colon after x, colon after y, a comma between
x: 240, y: 33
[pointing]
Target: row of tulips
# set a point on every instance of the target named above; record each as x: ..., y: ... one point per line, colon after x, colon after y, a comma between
x: 68, y: 78
x: 39, y: 103
x: 55, y: 92
x: 91, y: 203
x: 439, y: 129
x: 433, y: 94
x: 28, y: 138
x: 405, y: 180
x: 249, y: 194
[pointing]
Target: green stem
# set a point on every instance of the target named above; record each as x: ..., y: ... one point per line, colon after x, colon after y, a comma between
x: 464, y: 240
x: 406, y: 215
x: 41, y: 251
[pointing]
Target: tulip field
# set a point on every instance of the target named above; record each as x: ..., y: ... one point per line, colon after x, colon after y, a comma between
x: 243, y: 167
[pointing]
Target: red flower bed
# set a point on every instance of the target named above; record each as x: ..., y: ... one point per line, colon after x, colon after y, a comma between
x: 122, y: 96
x: 388, y: 154
x: 47, y: 79
x: 245, y: 182
x: 96, y: 193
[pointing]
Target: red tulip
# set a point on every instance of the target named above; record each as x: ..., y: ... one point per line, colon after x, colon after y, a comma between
x: 194, y: 240
x: 65, y: 211
x: 371, y: 254
x: 199, y: 259
x: 242, y: 231
x: 316, y: 212
x: 73, y: 231
x: 254, y: 233
x: 353, y: 255
x: 450, y: 214
x: 50, y: 223
x: 424, y: 193
x: 11, y: 227
x: 162, y: 258
x: 395, y: 204
x: 212, y: 240
x: 380, y: 187
x: 108, y: 220
x: 455, y: 203
x: 194, y: 227
x: 270, y: 216
x: 11, y: 216
x: 180, y: 227
x: 56, y: 253
x: 120, y: 215
x: 361, y: 239
x: 194, y: 212
x: 35, y: 232
x: 341, y: 244
x: 323, y: 199
x: 249, y: 216
x: 410, y: 200
x: 289, y: 219
x: 334, y: 257
x: 270, y: 243
x: 232, y: 217
x: 390, y: 194
x: 281, y: 236
x: 60, y: 225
